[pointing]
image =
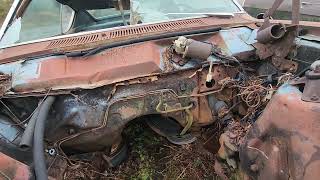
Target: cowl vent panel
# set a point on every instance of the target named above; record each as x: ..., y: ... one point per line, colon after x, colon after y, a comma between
x: 75, y: 41
x: 125, y: 32
x: 156, y: 28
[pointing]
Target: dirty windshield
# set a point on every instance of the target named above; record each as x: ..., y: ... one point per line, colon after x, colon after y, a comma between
x: 48, y: 18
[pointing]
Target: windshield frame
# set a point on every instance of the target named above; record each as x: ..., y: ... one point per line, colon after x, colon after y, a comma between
x: 16, y: 4
x: 9, y: 17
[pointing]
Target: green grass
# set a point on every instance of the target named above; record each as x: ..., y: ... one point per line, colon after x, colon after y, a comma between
x: 4, y: 8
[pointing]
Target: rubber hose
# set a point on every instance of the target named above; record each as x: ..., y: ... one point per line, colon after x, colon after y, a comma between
x: 27, y: 137
x: 38, y: 138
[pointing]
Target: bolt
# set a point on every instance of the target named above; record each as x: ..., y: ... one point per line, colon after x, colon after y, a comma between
x: 52, y: 152
x: 254, y: 167
x: 71, y: 131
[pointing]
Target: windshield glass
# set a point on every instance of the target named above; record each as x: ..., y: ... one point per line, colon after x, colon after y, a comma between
x: 40, y: 19
x: 149, y: 10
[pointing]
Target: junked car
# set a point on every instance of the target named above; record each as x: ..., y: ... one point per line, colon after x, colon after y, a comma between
x: 74, y: 73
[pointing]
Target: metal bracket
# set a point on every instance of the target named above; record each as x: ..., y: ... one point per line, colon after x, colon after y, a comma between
x: 311, y: 92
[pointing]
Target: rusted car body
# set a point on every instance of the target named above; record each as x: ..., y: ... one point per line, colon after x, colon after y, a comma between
x: 74, y: 93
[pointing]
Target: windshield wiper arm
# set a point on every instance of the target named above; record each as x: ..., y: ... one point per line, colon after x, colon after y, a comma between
x: 142, y: 39
x: 226, y: 15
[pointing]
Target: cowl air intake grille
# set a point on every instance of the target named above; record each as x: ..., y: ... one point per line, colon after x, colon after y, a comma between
x: 74, y: 41
x: 126, y: 32
x: 156, y: 28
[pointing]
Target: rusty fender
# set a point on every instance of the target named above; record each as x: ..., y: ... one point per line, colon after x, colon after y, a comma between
x: 13, y: 169
x: 284, y: 143
x: 182, y: 96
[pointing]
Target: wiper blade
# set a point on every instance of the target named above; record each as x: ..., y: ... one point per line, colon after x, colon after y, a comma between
x: 226, y: 15
x: 75, y: 53
x: 149, y: 38
x: 139, y: 40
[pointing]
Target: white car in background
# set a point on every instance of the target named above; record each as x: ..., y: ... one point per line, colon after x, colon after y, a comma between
x: 308, y: 7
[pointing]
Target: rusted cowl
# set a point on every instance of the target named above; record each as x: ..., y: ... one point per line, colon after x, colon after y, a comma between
x: 13, y: 169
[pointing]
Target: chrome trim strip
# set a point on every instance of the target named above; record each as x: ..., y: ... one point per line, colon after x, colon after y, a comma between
x: 207, y: 14
x: 8, y: 17
x: 239, y: 5
x: 242, y: 11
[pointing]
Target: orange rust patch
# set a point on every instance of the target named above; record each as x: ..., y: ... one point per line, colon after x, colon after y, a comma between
x: 105, y: 68
x: 128, y: 112
x: 12, y: 169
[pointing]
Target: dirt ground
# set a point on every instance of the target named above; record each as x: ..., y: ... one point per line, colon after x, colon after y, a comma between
x: 153, y: 157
